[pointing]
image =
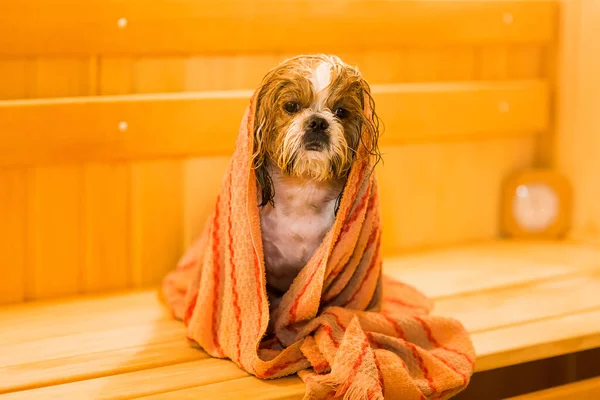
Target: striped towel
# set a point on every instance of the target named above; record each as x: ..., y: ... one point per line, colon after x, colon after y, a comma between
x: 343, y: 327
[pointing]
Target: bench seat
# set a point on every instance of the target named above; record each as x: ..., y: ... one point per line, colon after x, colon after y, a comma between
x: 521, y: 301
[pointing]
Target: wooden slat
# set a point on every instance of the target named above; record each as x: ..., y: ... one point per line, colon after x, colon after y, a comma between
x: 491, y: 266
x: 141, y: 383
x: 588, y: 389
x: 156, y: 220
x: 70, y: 315
x: 62, y: 77
x: 492, y: 62
x: 551, y: 310
x: 577, y: 145
x: 86, y: 365
x: 202, y: 178
x: 13, y: 85
x: 90, y: 341
x: 201, y: 124
x: 13, y: 234
x: 289, y: 388
x: 432, y: 195
x: 55, y: 225
x: 523, y: 304
x: 106, y: 227
x: 537, y: 340
x: 34, y: 27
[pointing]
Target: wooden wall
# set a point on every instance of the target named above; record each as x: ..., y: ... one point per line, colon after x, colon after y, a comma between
x: 104, y: 193
x: 578, y: 143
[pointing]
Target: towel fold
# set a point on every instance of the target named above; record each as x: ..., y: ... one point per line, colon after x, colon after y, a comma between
x: 346, y: 329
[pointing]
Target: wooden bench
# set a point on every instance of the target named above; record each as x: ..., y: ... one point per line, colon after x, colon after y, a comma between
x: 588, y: 389
x: 521, y: 302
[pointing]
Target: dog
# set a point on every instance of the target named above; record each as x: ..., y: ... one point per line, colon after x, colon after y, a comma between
x: 310, y: 121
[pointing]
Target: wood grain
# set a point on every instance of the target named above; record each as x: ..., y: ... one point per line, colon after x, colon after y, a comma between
x: 202, y: 180
x: 540, y: 303
x: 204, y: 124
x: 13, y: 82
x: 55, y: 196
x: 588, y: 389
x: 13, y: 235
x: 142, y: 382
x: 436, y: 194
x: 235, y: 26
x: 84, y: 368
x: 63, y: 77
x: 512, y: 264
x: 106, y: 227
x: 537, y: 340
x: 577, y: 143
x: 156, y: 220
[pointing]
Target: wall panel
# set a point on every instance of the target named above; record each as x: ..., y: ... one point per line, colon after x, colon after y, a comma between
x: 97, y: 205
x: 13, y: 234
x: 55, y: 232
x: 106, y: 231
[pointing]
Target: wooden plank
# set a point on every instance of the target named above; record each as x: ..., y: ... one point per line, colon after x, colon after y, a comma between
x: 85, y: 366
x: 470, y: 267
x: 204, y: 124
x: 233, y: 72
x: 156, y: 220
x: 382, y: 67
x: 159, y: 75
x: 289, y: 388
x: 106, y: 227
x: 523, y: 304
x: 492, y: 62
x: 236, y: 26
x: 457, y: 63
x: 588, y: 389
x: 13, y: 234
x: 55, y: 227
x: 116, y: 75
x: 92, y: 341
x: 202, y: 179
x: 537, y: 340
x: 467, y: 197
x: 431, y: 194
x: 62, y: 77
x: 13, y: 85
x: 526, y: 62
x: 141, y: 383
x: 577, y: 144
x: 70, y: 315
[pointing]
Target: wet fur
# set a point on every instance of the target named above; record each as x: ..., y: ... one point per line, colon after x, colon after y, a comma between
x: 300, y: 190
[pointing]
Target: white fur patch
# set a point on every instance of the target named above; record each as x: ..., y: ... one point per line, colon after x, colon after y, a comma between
x: 292, y: 230
x: 321, y: 77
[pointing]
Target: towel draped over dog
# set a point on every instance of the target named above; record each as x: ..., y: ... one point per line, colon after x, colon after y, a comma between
x: 346, y: 329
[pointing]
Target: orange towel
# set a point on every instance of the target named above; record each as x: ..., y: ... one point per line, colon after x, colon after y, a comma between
x: 343, y: 327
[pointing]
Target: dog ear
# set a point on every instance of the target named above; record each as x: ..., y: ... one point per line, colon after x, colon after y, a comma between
x: 370, y: 122
x: 259, y: 157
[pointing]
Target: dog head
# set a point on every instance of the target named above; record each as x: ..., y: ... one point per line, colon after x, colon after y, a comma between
x: 311, y: 119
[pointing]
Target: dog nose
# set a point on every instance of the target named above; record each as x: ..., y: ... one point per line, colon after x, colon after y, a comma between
x: 317, y: 124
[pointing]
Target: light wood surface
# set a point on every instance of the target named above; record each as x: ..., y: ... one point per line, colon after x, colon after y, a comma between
x: 577, y: 145
x: 588, y: 389
x: 206, y: 123
x: 521, y: 301
x: 192, y: 26
x: 447, y: 145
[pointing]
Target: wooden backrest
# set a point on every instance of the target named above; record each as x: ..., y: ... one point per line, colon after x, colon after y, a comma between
x: 118, y: 119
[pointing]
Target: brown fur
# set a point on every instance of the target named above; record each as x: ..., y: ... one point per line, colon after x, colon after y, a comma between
x: 290, y: 82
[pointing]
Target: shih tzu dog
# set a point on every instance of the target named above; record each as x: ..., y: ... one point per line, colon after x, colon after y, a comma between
x: 310, y: 122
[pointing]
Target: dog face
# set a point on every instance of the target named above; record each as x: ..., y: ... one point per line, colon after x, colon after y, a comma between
x: 311, y: 120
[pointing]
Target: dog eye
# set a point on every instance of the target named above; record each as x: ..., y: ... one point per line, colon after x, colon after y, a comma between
x: 341, y: 113
x: 291, y: 107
